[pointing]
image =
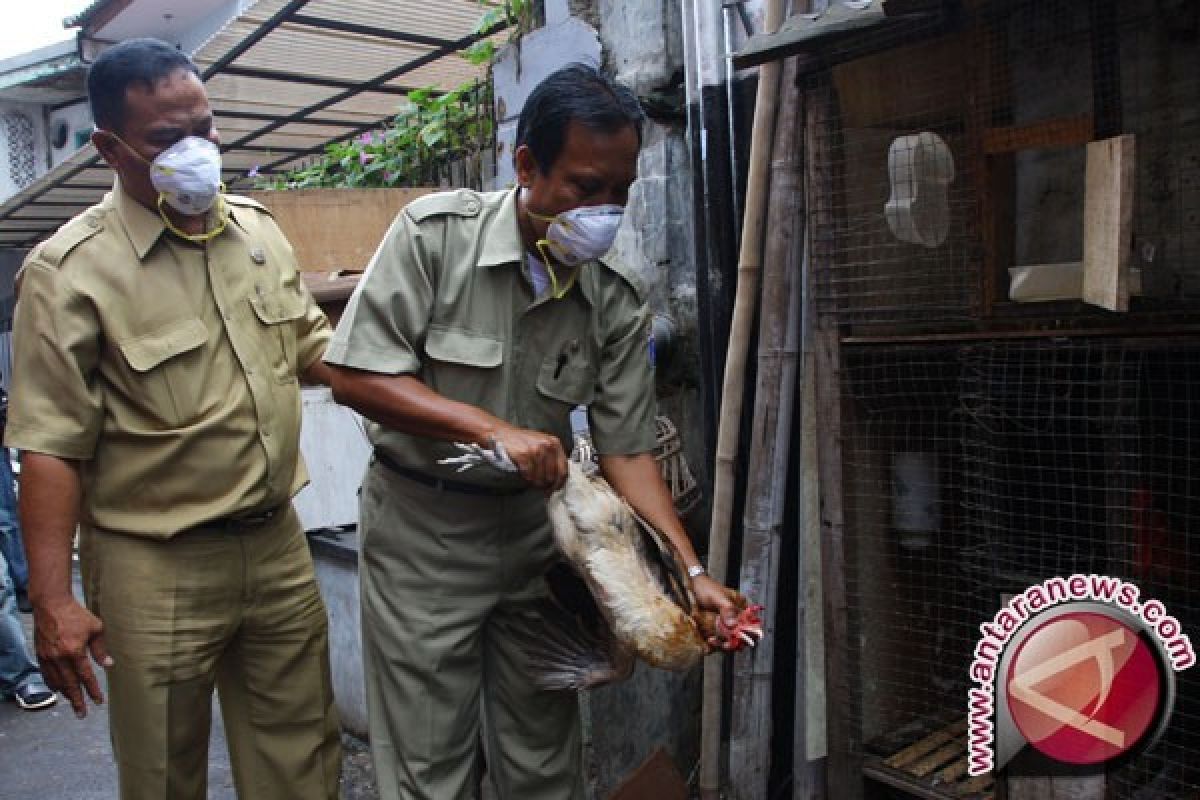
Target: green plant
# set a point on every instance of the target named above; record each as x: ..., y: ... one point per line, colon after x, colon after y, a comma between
x: 436, y: 128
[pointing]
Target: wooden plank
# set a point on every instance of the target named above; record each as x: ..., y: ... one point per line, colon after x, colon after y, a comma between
x: 927, y: 745
x: 335, y: 229
x: 1108, y: 222
x: 938, y: 758
x: 844, y: 770
x: 1066, y: 132
x: 953, y: 772
x: 993, y: 177
x: 894, y: 85
x: 978, y: 788
x: 763, y: 529
x: 980, y: 783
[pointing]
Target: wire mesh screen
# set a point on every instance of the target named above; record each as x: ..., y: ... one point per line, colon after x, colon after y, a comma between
x: 956, y: 153
x: 975, y: 470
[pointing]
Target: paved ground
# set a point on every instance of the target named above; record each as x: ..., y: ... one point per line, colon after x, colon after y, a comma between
x: 51, y: 755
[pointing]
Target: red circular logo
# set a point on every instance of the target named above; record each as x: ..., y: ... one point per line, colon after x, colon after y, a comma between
x: 1083, y: 688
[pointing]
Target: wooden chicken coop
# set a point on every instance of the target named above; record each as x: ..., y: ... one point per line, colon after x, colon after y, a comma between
x: 1003, y: 206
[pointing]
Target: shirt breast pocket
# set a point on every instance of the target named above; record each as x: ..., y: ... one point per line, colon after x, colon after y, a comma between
x: 565, y: 382
x: 168, y: 380
x: 464, y: 365
x: 277, y: 311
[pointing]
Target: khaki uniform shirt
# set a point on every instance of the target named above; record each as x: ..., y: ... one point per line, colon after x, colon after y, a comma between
x: 169, y: 370
x: 447, y: 298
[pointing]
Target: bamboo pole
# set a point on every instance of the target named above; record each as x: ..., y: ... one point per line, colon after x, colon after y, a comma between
x: 749, y: 261
x: 767, y: 472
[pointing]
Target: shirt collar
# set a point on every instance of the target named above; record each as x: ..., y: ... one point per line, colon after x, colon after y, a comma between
x: 143, y: 225
x: 502, y: 244
x: 502, y: 236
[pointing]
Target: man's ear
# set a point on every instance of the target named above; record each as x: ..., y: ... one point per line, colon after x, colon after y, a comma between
x: 107, y: 146
x: 526, y: 165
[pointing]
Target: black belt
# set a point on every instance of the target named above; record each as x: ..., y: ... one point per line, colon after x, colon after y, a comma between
x: 246, y: 520
x: 445, y: 484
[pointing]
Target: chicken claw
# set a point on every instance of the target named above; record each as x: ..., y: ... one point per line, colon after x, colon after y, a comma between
x: 474, y: 454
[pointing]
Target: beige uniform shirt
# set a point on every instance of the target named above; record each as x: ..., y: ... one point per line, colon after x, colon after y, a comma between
x: 447, y: 298
x: 169, y: 370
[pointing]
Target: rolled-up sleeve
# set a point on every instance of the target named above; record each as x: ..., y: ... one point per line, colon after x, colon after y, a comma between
x: 387, y: 316
x: 55, y: 404
x: 622, y: 414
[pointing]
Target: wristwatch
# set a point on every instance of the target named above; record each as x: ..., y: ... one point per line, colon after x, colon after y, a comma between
x: 696, y: 571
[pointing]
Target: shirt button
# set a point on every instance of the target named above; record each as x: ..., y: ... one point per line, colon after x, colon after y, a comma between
x: 249, y: 373
x: 266, y: 434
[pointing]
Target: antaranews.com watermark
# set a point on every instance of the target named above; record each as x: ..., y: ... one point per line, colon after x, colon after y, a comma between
x: 1110, y: 645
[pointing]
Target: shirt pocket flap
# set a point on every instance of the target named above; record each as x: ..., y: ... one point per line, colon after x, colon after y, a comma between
x: 147, y: 352
x: 278, y: 306
x: 459, y: 346
x: 570, y: 383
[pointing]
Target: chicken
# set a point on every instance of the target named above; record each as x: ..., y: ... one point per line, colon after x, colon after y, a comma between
x: 624, y: 596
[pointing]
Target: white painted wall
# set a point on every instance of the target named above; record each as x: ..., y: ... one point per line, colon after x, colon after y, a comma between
x: 78, y: 119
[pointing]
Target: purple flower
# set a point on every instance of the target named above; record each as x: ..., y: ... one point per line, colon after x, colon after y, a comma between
x: 253, y: 173
x: 389, y: 177
x: 364, y: 157
x: 367, y: 138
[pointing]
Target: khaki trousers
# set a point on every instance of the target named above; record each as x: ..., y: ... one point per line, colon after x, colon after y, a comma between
x: 235, y: 607
x: 439, y: 571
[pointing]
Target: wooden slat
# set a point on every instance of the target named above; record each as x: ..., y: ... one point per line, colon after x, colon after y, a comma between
x: 1108, y: 222
x: 952, y: 772
x: 938, y: 758
x: 975, y: 788
x: 927, y: 745
x: 1066, y: 132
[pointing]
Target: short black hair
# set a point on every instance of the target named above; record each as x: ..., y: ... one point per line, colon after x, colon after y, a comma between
x: 574, y: 93
x: 142, y: 62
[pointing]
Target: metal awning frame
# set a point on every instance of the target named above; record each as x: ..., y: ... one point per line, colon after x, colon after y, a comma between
x: 21, y: 209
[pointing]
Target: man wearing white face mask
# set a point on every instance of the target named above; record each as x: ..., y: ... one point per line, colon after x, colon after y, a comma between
x: 486, y: 318
x: 158, y: 341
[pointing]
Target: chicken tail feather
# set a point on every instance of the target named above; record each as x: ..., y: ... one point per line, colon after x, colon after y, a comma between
x: 560, y: 654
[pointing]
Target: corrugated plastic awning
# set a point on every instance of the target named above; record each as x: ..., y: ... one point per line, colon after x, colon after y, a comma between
x: 285, y: 78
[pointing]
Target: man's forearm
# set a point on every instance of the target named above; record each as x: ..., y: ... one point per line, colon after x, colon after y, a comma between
x: 638, y: 480
x: 404, y: 403
x: 49, y: 511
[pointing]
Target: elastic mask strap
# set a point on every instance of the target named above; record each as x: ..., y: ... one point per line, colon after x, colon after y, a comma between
x: 197, y: 238
x: 543, y: 246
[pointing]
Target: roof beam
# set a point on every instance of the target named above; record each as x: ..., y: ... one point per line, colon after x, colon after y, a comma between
x: 366, y: 86
x: 312, y: 80
x: 369, y: 30
x: 260, y: 116
x: 263, y: 31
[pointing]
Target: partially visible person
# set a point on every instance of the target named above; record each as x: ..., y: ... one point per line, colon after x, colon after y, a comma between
x: 11, y: 546
x: 158, y: 342
x: 20, y: 678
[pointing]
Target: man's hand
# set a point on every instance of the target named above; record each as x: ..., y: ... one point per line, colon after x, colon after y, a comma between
x: 712, y: 596
x: 64, y: 634
x: 539, y: 456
